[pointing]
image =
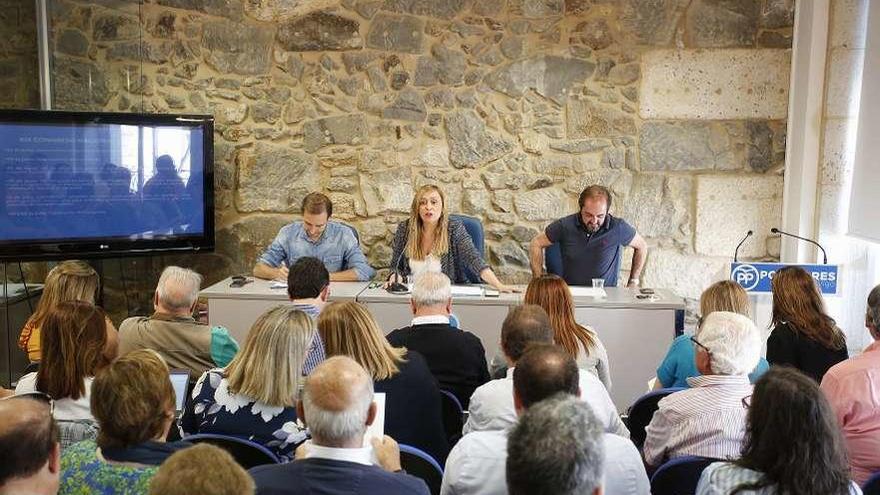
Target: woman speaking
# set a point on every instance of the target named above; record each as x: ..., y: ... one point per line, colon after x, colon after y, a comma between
x: 430, y: 242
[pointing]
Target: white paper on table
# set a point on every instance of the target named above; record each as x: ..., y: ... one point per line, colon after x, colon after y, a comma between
x: 278, y: 284
x: 588, y: 292
x: 377, y: 429
x: 467, y: 290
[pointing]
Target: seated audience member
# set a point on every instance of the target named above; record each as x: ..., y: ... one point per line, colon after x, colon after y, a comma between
x: 491, y: 405
x: 254, y: 397
x: 552, y: 293
x: 412, y: 399
x: 183, y: 342
x: 337, y: 406
x: 201, y: 470
x: 679, y: 363
x: 76, y: 345
x: 803, y: 335
x: 332, y: 243
x: 133, y: 401
x: 853, y: 389
x: 556, y: 448
x: 308, y: 286
x: 456, y: 358
x: 476, y: 463
x: 429, y: 241
x: 709, y: 419
x: 29, y: 441
x: 69, y: 281
x: 793, y: 444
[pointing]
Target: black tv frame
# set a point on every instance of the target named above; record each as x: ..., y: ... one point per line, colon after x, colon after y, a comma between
x: 115, y: 247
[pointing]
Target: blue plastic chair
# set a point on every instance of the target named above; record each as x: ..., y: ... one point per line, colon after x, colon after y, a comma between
x: 245, y: 452
x: 420, y: 464
x: 641, y: 412
x: 453, y: 416
x: 679, y: 475
x: 872, y: 486
x: 474, y: 228
x: 553, y: 259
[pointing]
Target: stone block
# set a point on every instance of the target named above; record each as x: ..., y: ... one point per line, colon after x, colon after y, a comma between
x: 409, y: 105
x: 320, y: 31
x: 231, y: 9
x: 685, y: 145
x: 687, y: 274
x: 715, y: 84
x: 73, y: 42
x: 79, y: 85
x: 725, y: 23
x: 237, y: 48
x: 280, y: 10
x: 842, y: 92
x: 447, y: 9
x: 343, y: 129
x: 398, y: 33
x: 838, y: 151
x: 584, y: 119
x: 777, y: 14
x: 245, y: 240
x: 389, y: 190
x: 651, y: 22
x: 730, y: 205
x: 595, y: 33
x: 537, y: 8
x: 581, y: 146
x: 659, y: 206
x: 543, y: 204
x: 550, y: 76
x: 566, y: 166
x: 274, y: 178
x: 475, y: 202
x: 115, y: 27
x: 470, y: 143
x: 849, y: 20
x: 509, y: 253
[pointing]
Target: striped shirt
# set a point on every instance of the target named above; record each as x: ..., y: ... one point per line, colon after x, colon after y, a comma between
x: 721, y: 478
x: 707, y: 420
x: 316, y: 354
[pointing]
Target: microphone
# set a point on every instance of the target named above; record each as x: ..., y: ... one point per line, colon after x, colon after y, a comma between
x: 396, y: 287
x: 736, y: 251
x: 824, y: 254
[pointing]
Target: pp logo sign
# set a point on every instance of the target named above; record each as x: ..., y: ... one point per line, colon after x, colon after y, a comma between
x: 746, y: 276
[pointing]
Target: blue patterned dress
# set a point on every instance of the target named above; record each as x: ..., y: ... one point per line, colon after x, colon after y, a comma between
x: 84, y: 473
x: 214, y: 409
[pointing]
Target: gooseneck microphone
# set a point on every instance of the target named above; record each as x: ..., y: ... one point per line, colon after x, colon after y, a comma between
x: 824, y: 254
x: 736, y: 251
x: 395, y: 287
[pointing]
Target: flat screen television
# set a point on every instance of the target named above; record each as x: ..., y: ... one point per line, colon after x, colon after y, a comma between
x: 90, y: 184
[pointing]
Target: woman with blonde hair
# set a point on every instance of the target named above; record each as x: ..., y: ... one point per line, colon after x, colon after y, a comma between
x: 72, y: 280
x: 581, y: 342
x: 679, y: 363
x: 412, y: 399
x: 430, y: 241
x: 254, y: 396
x: 77, y: 344
x: 803, y: 334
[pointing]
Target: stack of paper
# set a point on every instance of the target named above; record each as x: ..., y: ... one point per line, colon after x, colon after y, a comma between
x: 587, y: 292
x: 467, y: 291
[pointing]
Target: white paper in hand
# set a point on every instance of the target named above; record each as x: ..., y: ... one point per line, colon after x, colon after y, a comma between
x: 377, y: 429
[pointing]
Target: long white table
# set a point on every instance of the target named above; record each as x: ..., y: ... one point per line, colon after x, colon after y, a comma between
x: 636, y: 332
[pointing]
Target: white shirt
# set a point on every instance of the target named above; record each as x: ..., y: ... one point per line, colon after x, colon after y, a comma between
x: 430, y: 320
x: 491, y: 406
x: 721, y: 478
x: 65, y: 409
x: 476, y: 466
x: 362, y: 455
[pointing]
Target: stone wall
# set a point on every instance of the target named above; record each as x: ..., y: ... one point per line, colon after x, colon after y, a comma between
x: 19, y: 73
x: 512, y: 106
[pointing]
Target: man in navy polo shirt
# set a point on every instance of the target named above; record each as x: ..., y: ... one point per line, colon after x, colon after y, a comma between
x: 590, y: 242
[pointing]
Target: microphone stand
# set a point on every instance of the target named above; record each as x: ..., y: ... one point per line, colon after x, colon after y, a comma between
x: 774, y: 230
x: 736, y: 251
x: 395, y: 287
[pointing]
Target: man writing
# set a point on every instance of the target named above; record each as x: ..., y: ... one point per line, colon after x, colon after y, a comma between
x: 331, y: 242
x: 590, y: 242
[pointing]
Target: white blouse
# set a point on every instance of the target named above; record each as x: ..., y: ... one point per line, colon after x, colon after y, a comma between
x: 65, y: 409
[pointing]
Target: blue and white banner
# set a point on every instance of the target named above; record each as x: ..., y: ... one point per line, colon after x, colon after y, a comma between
x: 755, y: 277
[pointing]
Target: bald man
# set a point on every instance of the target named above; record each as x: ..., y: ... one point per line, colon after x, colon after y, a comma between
x: 29, y: 442
x: 337, y: 406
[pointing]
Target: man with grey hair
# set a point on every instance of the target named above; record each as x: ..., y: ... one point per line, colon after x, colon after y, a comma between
x: 456, y: 357
x: 476, y: 464
x: 556, y: 448
x: 853, y: 389
x: 337, y: 406
x: 29, y: 442
x: 709, y: 419
x: 180, y: 339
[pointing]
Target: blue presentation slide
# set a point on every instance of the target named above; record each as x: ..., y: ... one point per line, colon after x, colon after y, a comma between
x: 100, y: 181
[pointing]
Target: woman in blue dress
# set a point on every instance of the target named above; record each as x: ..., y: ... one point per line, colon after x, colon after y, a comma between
x: 255, y: 396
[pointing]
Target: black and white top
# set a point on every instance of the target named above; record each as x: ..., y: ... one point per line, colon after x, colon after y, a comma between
x: 461, y: 258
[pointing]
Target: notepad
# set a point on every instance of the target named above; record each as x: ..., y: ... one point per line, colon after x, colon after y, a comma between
x: 467, y: 291
x: 588, y: 292
x: 377, y: 429
x: 278, y: 284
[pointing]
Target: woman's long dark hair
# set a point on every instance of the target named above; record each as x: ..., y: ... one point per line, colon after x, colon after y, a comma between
x: 793, y: 439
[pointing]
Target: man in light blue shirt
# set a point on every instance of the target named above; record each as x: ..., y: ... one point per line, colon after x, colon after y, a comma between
x: 333, y: 243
